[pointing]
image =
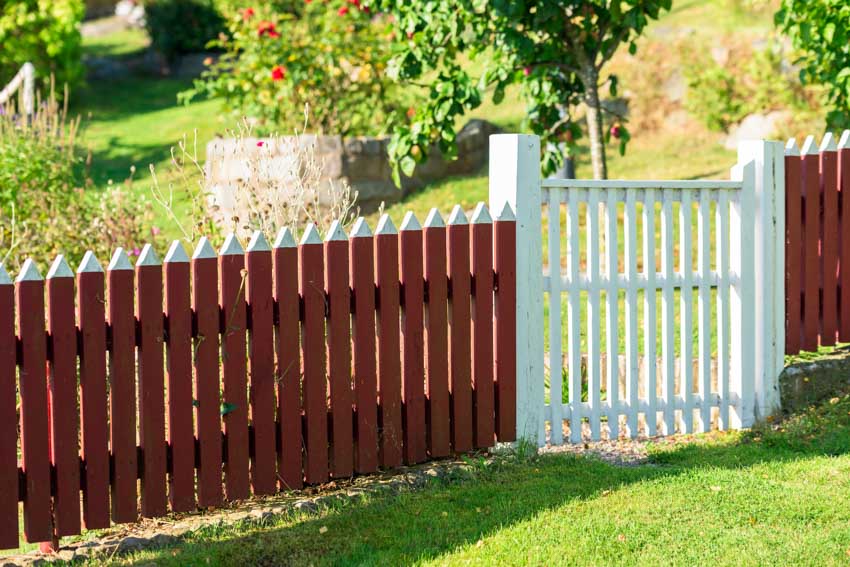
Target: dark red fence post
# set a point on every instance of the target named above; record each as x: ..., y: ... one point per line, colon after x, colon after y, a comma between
x: 413, y: 339
x: 288, y: 374
x: 481, y: 254
x: 793, y: 248
x: 122, y: 387
x: 505, y: 324
x: 829, y: 238
x: 311, y: 286
x: 207, y: 411
x: 459, y: 326
x: 361, y: 279
x: 389, y: 357
x: 234, y: 403
x: 93, y: 402
x: 811, y: 247
x: 181, y: 437
x: 339, y: 351
x: 8, y: 416
x: 437, y: 336
x: 64, y: 430
x: 261, y: 356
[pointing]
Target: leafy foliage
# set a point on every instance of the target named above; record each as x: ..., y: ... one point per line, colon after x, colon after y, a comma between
x: 182, y: 26
x: 553, y: 50
x: 45, y: 33
x: 820, y: 30
x: 331, y: 56
x: 47, y: 205
x: 751, y: 81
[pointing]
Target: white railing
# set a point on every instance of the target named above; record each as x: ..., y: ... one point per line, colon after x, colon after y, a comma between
x: 23, y: 81
x: 616, y: 251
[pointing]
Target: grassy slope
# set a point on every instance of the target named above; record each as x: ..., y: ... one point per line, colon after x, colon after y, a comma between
x: 760, y: 498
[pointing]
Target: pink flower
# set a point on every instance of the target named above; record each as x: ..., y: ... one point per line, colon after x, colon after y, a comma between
x: 136, y: 251
x: 260, y: 144
x: 155, y: 231
x: 526, y: 71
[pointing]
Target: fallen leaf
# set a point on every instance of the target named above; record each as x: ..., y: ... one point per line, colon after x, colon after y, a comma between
x: 715, y: 489
x: 323, y: 530
x: 621, y: 537
x: 480, y: 543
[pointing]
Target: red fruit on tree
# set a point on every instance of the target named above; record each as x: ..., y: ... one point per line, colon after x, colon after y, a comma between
x: 616, y: 130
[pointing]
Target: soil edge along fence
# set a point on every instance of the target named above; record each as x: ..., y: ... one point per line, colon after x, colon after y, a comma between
x: 251, y: 371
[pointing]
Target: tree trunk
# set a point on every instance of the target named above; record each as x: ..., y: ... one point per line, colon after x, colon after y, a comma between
x: 590, y: 79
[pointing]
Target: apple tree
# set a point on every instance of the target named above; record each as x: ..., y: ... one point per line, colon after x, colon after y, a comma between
x: 554, y: 50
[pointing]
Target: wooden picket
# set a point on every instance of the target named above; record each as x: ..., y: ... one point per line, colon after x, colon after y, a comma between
x: 303, y: 362
x: 817, y: 243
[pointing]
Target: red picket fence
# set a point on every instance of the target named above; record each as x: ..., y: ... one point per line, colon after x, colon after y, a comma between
x: 817, y: 250
x: 251, y: 372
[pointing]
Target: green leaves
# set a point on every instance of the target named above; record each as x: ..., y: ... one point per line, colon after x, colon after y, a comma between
x: 540, y: 45
x: 818, y: 29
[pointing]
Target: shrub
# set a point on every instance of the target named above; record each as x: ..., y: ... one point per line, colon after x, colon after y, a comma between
x: 711, y: 96
x: 47, y: 204
x: 44, y: 32
x: 331, y: 55
x: 177, y: 27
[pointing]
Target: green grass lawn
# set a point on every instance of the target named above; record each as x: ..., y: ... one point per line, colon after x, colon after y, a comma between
x: 765, y: 497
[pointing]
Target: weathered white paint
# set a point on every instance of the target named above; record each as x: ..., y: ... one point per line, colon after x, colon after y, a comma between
x: 515, y: 179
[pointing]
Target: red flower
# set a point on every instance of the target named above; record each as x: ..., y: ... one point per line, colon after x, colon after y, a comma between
x: 343, y: 11
x: 274, y: 34
x: 411, y: 112
x: 267, y: 28
x: 260, y: 144
x: 247, y: 13
x: 526, y: 71
x: 278, y: 73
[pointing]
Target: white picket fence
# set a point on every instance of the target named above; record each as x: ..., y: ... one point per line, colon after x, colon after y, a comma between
x: 605, y: 242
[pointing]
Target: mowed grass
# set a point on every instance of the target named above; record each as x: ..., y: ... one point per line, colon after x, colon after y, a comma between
x: 771, y: 496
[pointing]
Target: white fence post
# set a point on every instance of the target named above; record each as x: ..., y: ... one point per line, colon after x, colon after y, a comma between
x: 769, y: 193
x: 515, y: 179
x: 743, y: 328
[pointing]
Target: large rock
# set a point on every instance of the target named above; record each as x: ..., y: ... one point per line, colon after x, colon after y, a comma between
x: 757, y: 127
x: 358, y: 162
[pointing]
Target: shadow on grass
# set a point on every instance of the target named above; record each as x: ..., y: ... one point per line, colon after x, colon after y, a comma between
x: 457, y: 512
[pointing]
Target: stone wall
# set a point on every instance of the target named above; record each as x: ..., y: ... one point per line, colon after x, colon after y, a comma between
x: 359, y: 162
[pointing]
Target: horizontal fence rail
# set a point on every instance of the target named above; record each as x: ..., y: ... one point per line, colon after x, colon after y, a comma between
x: 169, y: 386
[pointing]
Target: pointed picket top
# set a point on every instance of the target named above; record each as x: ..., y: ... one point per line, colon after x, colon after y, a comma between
x: 58, y: 269
x: 791, y: 148
x: 481, y: 215
x: 810, y: 147
x: 434, y: 219
x: 176, y: 254
x: 258, y: 242
x: 29, y: 272
x: 410, y: 222
x: 507, y: 213
x: 458, y: 216
x: 844, y: 142
x: 4, y: 276
x: 203, y: 250
x: 231, y: 246
x: 148, y: 257
x: 360, y: 229
x: 335, y: 232
x: 828, y: 143
x: 285, y: 239
x: 311, y: 235
x: 89, y: 264
x: 119, y: 261
x: 385, y: 225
